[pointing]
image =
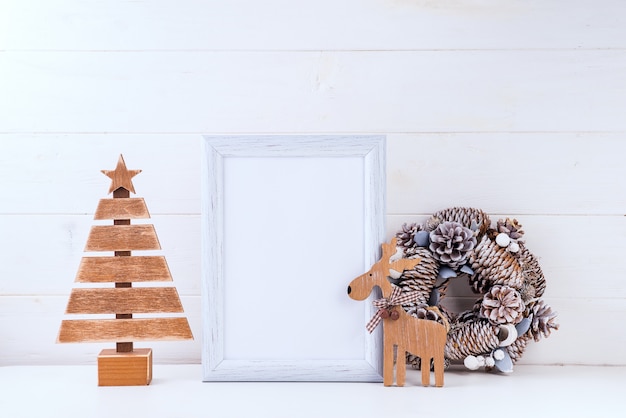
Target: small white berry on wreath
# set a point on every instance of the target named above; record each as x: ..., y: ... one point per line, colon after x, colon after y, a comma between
x: 461, y: 242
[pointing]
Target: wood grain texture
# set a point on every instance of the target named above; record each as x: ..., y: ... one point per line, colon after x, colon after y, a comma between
x: 534, y: 174
x: 136, y: 329
x: 125, y: 369
x: 124, y: 300
x: 514, y: 107
x: 129, y: 208
x: 571, y: 174
x: 121, y: 179
x: 123, y: 269
x: 279, y: 25
x: 76, y: 159
x: 344, y: 91
x: 122, y: 238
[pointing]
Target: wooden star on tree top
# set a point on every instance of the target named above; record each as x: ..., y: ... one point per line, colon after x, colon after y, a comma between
x: 121, y: 176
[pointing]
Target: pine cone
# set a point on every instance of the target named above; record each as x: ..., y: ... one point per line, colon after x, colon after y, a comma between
x: 502, y: 305
x: 451, y: 242
x: 450, y: 316
x: 466, y: 217
x: 531, y: 271
x: 528, y: 292
x: 479, y: 284
x: 516, y: 350
x: 510, y: 227
x: 416, y: 362
x: 471, y: 338
x: 420, y: 312
x: 432, y: 223
x: 467, y: 316
x: 404, y: 238
x: 493, y: 265
x: 543, y: 320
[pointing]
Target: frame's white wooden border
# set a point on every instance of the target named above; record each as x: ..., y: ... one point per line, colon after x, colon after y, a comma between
x: 215, y: 149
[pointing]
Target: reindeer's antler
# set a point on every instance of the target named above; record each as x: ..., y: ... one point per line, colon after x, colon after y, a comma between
x: 388, y: 250
x: 405, y: 264
x: 398, y: 266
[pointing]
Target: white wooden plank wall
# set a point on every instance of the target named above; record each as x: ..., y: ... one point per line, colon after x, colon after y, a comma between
x: 514, y: 106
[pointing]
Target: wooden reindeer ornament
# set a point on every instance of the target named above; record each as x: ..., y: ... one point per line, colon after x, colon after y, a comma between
x: 423, y: 338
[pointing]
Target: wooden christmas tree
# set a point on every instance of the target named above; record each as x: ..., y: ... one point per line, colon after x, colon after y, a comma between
x: 124, y: 365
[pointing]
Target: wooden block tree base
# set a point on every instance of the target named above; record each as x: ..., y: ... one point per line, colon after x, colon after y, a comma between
x: 125, y: 369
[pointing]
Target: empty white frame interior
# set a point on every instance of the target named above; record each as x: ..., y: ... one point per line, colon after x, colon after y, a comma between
x: 287, y: 223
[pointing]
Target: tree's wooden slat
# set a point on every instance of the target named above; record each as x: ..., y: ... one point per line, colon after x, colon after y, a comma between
x: 122, y: 238
x: 122, y: 208
x: 124, y: 300
x: 137, y: 329
x: 123, y: 269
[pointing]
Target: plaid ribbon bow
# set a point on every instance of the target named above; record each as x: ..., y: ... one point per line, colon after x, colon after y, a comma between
x: 396, y: 298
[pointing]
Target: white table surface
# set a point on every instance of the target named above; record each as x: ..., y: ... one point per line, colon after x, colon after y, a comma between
x: 177, y: 391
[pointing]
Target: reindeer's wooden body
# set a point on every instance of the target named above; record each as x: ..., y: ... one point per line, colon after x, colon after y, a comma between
x: 423, y: 338
x: 420, y: 337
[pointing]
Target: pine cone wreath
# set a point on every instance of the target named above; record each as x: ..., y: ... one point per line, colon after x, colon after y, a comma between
x: 458, y: 241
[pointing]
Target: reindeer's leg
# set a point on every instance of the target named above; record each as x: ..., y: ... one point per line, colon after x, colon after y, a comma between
x: 401, y: 366
x: 439, y: 366
x: 388, y: 364
x: 425, y: 365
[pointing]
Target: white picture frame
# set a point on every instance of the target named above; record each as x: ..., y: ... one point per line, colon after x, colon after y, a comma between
x: 274, y: 299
